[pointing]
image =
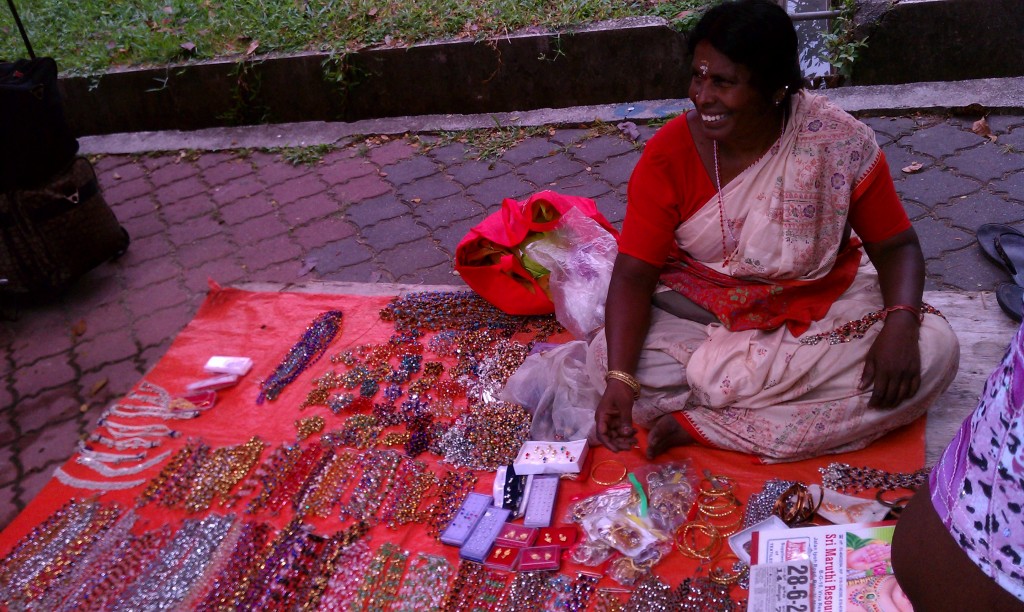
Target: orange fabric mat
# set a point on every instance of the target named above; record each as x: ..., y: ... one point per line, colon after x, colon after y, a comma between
x: 264, y: 326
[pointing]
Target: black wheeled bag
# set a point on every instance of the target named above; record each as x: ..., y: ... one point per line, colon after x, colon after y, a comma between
x: 35, y: 140
x: 54, y: 233
x: 54, y: 223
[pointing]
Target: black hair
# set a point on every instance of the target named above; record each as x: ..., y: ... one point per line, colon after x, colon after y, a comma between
x: 758, y: 34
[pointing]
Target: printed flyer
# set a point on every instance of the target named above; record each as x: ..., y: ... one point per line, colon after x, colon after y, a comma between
x: 849, y: 567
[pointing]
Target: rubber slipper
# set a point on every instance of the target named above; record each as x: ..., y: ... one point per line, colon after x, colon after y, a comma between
x: 988, y: 236
x: 1010, y: 248
x: 1010, y: 298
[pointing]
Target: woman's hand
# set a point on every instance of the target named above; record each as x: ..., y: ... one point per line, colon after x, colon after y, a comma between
x: 614, y: 417
x: 893, y: 364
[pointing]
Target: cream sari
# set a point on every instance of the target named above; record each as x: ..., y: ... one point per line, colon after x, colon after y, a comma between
x: 767, y: 392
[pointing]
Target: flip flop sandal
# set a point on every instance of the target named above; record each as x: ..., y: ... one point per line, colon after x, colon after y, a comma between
x: 988, y: 237
x: 1010, y: 248
x: 1009, y: 297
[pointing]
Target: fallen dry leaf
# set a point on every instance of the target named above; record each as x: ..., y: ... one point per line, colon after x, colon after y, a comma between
x: 78, y: 329
x: 188, y: 46
x: 981, y: 128
x: 97, y: 386
x: 252, y: 47
x: 372, y: 12
x: 914, y: 167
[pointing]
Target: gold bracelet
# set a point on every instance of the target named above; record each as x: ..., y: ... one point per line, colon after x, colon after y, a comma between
x: 609, y: 481
x: 626, y: 378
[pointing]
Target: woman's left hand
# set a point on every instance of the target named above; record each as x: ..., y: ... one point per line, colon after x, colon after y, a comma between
x: 893, y: 366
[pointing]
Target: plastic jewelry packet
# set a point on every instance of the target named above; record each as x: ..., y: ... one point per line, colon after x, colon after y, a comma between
x: 227, y: 370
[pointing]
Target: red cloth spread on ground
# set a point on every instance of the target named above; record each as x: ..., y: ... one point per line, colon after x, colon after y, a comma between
x: 264, y: 326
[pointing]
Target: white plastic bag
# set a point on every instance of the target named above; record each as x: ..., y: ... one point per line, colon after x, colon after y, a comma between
x: 580, y: 255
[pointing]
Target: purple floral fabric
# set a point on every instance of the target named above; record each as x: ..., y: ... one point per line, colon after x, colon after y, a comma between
x: 978, y: 484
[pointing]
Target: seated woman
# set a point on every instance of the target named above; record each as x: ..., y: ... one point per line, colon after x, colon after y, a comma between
x: 747, y: 221
x: 967, y: 522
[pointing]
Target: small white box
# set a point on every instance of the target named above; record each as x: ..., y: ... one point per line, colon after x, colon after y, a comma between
x: 219, y: 364
x: 541, y: 457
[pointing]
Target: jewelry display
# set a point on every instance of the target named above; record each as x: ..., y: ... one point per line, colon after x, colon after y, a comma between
x: 310, y: 347
x: 487, y: 436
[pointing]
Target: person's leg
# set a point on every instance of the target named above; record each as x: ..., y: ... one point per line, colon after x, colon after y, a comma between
x: 934, y: 572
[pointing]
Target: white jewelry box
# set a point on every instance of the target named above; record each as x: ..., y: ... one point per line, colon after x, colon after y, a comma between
x: 542, y: 457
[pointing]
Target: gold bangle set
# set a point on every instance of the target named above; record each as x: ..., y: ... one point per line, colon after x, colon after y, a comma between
x: 702, y: 538
x: 627, y: 378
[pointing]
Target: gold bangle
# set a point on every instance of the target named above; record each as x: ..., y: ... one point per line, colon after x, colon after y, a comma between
x: 718, y: 575
x: 720, y: 485
x: 707, y: 552
x: 628, y: 379
x: 610, y: 481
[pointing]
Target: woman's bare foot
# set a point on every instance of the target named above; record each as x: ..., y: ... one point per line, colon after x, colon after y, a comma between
x: 666, y: 433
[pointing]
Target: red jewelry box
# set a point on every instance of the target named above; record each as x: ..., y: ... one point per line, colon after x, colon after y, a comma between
x: 503, y: 558
x: 540, y: 558
x: 516, y: 535
x: 564, y: 536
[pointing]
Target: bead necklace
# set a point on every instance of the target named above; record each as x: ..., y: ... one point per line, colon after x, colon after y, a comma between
x: 857, y: 328
x: 352, y: 566
x: 232, y: 579
x: 121, y: 570
x: 847, y: 479
x: 165, y: 583
x: 374, y: 577
x: 329, y: 562
x: 454, y: 487
x: 374, y: 484
x: 310, y: 347
x: 94, y: 485
x: 83, y: 575
x: 100, y: 467
x: 328, y: 485
x: 526, y: 591
x: 652, y: 595
x: 412, y: 480
x: 424, y: 585
x: 285, y: 571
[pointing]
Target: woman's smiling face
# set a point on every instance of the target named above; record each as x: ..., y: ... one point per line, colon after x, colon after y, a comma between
x: 731, y: 109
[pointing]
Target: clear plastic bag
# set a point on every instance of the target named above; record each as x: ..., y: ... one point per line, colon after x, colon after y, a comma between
x: 580, y: 255
x: 671, y: 492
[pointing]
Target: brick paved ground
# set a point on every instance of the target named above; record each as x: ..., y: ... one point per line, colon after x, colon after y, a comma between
x: 383, y: 211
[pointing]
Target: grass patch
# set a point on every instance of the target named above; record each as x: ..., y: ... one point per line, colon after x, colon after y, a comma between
x: 90, y: 36
x: 484, y: 144
x: 303, y: 156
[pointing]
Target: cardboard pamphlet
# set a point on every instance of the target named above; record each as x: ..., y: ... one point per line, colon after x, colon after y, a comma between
x: 829, y: 568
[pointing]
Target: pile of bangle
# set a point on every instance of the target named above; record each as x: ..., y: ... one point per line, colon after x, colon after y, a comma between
x: 717, y: 503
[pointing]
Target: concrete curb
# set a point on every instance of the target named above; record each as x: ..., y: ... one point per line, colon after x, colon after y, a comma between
x: 999, y: 96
